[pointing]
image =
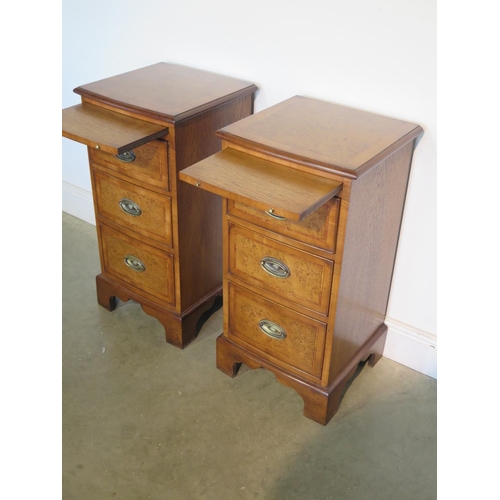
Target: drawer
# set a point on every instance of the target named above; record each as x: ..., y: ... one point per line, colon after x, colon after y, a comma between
x: 277, y: 268
x: 147, y: 163
x: 318, y: 229
x: 278, y: 333
x: 138, y: 264
x: 138, y: 209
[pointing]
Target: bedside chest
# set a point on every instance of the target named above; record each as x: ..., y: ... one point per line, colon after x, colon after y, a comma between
x: 159, y: 240
x: 313, y: 201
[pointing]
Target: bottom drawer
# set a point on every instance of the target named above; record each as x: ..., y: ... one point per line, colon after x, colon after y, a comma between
x: 279, y: 334
x: 138, y: 264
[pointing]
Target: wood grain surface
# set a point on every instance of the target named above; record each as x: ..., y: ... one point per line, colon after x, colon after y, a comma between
x: 303, y: 346
x: 310, y: 278
x: 167, y: 91
x: 199, y: 215
x: 150, y: 165
x: 318, y: 229
x: 373, y: 225
x: 155, y: 219
x: 103, y: 129
x: 262, y: 184
x: 321, y: 134
x: 158, y: 278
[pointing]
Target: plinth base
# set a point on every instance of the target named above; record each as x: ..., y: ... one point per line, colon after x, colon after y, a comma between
x: 180, y: 330
x: 320, y: 403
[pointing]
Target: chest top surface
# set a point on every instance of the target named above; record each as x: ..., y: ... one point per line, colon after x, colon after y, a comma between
x: 321, y: 134
x: 168, y: 91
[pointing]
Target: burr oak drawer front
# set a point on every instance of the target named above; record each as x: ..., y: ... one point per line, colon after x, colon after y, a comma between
x: 138, y: 209
x: 279, y: 334
x: 318, y: 229
x: 138, y: 264
x: 146, y: 163
x: 280, y: 269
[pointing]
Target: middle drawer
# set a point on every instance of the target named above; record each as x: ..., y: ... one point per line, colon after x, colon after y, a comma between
x: 277, y: 268
x: 138, y: 209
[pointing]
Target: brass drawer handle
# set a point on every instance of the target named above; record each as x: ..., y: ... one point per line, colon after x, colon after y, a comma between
x: 134, y: 263
x: 275, y: 267
x: 272, y: 329
x: 271, y: 213
x: 127, y: 156
x: 130, y: 207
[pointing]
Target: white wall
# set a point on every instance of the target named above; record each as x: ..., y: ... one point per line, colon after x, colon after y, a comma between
x: 377, y: 55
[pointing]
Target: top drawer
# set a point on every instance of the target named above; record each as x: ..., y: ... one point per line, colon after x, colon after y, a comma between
x: 318, y: 228
x: 121, y: 143
x: 147, y: 163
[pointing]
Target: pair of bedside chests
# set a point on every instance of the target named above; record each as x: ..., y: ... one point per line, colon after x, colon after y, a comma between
x: 291, y: 214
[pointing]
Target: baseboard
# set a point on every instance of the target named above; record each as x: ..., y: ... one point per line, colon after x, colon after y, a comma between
x: 78, y: 202
x: 411, y: 347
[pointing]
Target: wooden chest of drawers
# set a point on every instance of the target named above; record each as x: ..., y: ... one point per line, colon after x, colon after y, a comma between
x: 313, y: 196
x: 159, y: 240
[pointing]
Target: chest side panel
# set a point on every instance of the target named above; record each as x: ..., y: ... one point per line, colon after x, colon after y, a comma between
x: 200, y: 212
x: 373, y: 224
